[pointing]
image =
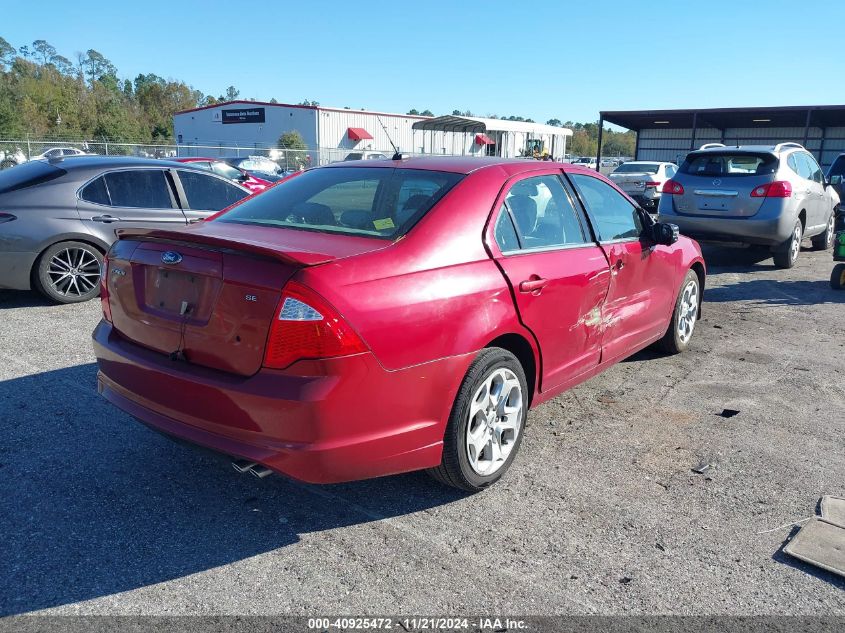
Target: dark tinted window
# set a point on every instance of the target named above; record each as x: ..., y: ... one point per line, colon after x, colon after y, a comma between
x: 207, y: 193
x: 28, y: 175
x: 376, y: 201
x: 613, y: 217
x: 637, y: 168
x: 141, y: 188
x: 95, y: 191
x: 727, y: 164
x: 838, y: 167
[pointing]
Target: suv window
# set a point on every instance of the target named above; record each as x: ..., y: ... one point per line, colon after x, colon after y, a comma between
x: 613, y: 217
x: 209, y: 193
x: 139, y: 188
x: 805, y: 169
x: 347, y: 200
x: 544, y: 214
x: 815, y: 171
x: 96, y: 192
x: 726, y: 164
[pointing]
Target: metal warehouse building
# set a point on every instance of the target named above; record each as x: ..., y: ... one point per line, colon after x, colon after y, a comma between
x: 332, y: 133
x: 669, y: 134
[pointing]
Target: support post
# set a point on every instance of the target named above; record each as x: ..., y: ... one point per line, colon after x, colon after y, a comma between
x: 807, y: 128
x: 694, y: 130
x: 598, y: 149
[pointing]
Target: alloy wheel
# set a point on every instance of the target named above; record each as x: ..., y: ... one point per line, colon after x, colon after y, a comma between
x: 74, y: 272
x: 495, y: 418
x: 795, y: 245
x: 687, y: 311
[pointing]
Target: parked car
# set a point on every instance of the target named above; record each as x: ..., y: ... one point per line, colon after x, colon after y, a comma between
x: 836, y: 178
x: 58, y: 217
x: 59, y: 152
x: 11, y: 157
x: 253, y: 164
x: 252, y: 182
x: 643, y: 180
x: 366, y: 155
x: 772, y: 196
x: 585, y: 161
x: 435, y: 288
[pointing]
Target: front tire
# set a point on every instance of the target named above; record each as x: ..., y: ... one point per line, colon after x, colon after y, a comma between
x: 824, y: 241
x: 69, y: 272
x: 684, y: 316
x: 837, y: 277
x: 787, y: 254
x: 486, y: 425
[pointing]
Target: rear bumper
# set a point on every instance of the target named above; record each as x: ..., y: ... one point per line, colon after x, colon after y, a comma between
x: 761, y: 229
x: 16, y: 269
x: 319, y: 421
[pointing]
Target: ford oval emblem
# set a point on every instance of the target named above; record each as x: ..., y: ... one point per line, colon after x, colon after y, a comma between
x: 170, y: 257
x: 717, y: 182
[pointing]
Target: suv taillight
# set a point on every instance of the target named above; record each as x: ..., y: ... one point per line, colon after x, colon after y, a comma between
x: 776, y: 189
x: 307, y: 326
x: 673, y: 187
x: 104, y: 289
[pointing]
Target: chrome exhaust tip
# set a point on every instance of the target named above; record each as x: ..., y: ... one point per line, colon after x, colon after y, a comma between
x: 260, y: 471
x: 242, y: 466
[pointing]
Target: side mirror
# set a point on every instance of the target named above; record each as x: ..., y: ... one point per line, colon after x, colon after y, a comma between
x: 664, y: 233
x: 835, y: 180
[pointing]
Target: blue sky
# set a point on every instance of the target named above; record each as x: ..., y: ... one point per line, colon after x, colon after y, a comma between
x: 543, y: 59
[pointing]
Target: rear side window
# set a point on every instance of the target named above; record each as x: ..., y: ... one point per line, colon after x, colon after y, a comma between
x: 813, y: 168
x: 376, y: 201
x: 725, y: 164
x: 637, y: 168
x: 207, y: 193
x: 96, y: 192
x: 139, y: 188
x: 613, y: 217
x: 29, y: 174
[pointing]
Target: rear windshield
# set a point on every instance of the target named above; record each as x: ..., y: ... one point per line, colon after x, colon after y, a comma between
x: 724, y: 164
x: 28, y: 174
x: 374, y: 201
x: 637, y: 168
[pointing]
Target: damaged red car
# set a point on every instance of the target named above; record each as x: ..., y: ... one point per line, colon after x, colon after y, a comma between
x: 388, y: 316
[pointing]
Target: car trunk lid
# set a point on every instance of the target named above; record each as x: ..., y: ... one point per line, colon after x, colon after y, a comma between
x: 208, y: 294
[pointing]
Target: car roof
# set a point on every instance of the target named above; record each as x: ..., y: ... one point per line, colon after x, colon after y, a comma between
x: 460, y: 164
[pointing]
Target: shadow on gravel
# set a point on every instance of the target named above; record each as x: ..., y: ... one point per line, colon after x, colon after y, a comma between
x: 726, y: 259
x: 771, y: 292
x: 22, y: 299
x: 93, y: 503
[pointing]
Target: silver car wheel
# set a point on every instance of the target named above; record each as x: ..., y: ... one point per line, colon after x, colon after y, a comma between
x: 828, y: 236
x: 74, y: 272
x: 795, y: 245
x: 494, y: 422
x: 687, y: 311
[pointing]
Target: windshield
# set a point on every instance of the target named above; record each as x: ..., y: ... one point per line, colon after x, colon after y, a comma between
x: 727, y: 164
x: 28, y: 174
x: 376, y: 201
x: 637, y: 168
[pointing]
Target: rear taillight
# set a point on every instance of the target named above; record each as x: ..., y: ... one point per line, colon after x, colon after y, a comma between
x: 776, y: 189
x: 307, y: 326
x: 673, y: 187
x: 104, y: 289
x: 652, y: 184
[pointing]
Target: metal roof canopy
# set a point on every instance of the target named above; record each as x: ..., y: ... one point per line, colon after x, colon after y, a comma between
x: 452, y: 123
x: 722, y: 118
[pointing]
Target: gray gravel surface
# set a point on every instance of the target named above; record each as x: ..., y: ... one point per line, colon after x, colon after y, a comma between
x: 100, y: 515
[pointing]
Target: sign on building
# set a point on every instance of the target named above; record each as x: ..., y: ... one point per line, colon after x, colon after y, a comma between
x: 243, y: 115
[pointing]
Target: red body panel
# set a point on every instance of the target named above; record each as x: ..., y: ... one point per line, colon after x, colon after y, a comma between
x: 424, y: 305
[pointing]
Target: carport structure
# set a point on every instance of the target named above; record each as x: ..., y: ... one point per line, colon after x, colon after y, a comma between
x: 478, y: 136
x: 667, y: 135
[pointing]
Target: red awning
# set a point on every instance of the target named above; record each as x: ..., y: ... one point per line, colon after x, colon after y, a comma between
x: 358, y: 134
x: 483, y: 139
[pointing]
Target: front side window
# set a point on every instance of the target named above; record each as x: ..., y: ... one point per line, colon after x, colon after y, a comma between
x: 208, y: 193
x: 139, y: 188
x: 544, y: 214
x: 372, y: 201
x: 612, y: 215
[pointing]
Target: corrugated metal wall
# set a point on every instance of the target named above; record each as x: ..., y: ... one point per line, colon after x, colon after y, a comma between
x: 673, y: 144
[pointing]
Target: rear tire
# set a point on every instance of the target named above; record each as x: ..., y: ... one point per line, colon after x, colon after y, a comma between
x: 824, y: 241
x: 787, y: 254
x: 837, y: 277
x: 69, y: 272
x: 684, y: 316
x: 486, y: 424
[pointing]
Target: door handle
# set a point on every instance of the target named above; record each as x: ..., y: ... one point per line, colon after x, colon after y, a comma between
x: 533, y: 285
x: 105, y: 218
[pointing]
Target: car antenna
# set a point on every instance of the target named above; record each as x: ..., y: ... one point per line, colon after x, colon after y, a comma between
x: 397, y: 155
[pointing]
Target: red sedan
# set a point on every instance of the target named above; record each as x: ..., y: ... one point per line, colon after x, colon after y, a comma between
x: 387, y: 316
x: 240, y: 176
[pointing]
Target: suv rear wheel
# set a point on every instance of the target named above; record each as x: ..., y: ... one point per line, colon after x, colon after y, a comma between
x: 787, y: 254
x: 824, y: 241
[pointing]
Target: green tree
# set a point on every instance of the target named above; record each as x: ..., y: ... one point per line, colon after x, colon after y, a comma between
x: 7, y: 53
x: 413, y: 111
x: 293, y: 144
x: 232, y: 93
x: 426, y: 112
x: 43, y: 52
x: 555, y: 122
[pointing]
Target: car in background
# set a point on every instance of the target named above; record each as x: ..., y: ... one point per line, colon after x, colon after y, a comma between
x: 252, y: 182
x: 58, y: 217
x: 253, y: 164
x: 11, y: 156
x: 59, y: 152
x: 836, y: 178
x: 585, y: 161
x: 765, y: 195
x: 643, y: 180
x: 260, y: 332
x: 366, y: 155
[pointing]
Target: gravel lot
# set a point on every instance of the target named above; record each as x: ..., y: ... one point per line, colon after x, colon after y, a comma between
x: 100, y: 515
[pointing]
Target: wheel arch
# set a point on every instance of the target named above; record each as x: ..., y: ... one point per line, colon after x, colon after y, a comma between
x: 71, y: 237
x: 520, y: 347
x: 698, y: 269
